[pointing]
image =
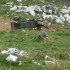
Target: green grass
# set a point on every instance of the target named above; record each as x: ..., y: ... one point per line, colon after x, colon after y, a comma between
x: 56, y: 46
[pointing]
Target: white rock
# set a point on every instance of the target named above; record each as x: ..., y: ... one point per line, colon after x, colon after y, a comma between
x: 4, y: 52
x: 20, y: 7
x: 43, y: 8
x: 31, y: 10
x: 47, y: 16
x: 62, y: 18
x: 58, y: 20
x: 13, y: 8
x: 69, y: 9
x: 64, y: 11
x: 64, y: 7
x: 12, y: 58
x: 19, y: 0
x: 49, y: 60
x: 23, y: 54
x: 26, y: 10
x: 12, y: 50
x: 67, y: 17
x: 44, y: 15
x: 37, y: 8
x: 55, y: 16
x: 46, y: 57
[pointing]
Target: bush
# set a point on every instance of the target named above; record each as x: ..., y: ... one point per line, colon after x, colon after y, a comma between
x: 40, y: 36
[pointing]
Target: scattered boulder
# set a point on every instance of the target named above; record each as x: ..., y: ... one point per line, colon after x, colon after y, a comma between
x: 49, y: 60
x: 12, y: 58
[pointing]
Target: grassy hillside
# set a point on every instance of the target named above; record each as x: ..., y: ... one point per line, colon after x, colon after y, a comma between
x: 57, y: 46
x: 5, y: 11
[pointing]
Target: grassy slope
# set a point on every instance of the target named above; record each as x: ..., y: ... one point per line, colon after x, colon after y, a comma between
x: 56, y: 46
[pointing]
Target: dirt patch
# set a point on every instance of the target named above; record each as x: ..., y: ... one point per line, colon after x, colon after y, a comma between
x: 5, y: 24
x: 54, y: 27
